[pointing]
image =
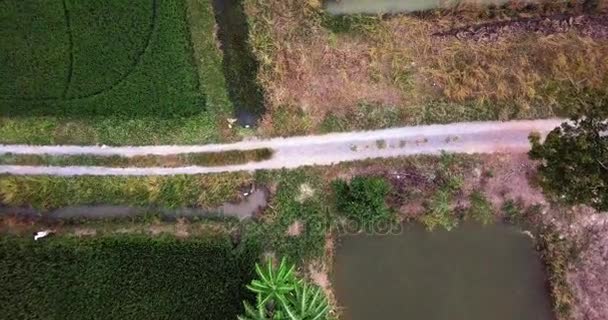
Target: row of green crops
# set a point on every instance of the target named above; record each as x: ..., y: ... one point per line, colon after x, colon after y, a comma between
x: 124, y: 277
x: 124, y: 59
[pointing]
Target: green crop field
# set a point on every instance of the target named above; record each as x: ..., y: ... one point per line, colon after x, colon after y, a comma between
x: 110, y: 71
x: 123, y: 277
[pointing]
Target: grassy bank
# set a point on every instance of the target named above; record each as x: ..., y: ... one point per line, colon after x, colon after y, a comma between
x: 322, y: 73
x: 47, y: 192
x: 168, y: 161
x: 121, y: 277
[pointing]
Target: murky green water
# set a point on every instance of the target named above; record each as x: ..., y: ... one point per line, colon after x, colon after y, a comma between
x: 470, y: 273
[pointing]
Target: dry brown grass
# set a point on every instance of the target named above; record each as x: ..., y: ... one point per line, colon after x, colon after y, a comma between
x: 309, y: 72
x: 529, y: 71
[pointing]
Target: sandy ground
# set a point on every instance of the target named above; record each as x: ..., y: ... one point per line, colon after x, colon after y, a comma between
x: 470, y: 138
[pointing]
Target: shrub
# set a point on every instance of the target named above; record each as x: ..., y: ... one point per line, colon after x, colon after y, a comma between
x: 513, y: 211
x: 439, y: 212
x: 480, y: 209
x: 363, y: 200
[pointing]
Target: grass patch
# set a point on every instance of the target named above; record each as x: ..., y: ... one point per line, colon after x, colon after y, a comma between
x: 208, y: 56
x: 167, y: 161
x: 50, y: 192
x: 363, y: 200
x: 480, y: 208
x: 289, y: 205
x: 439, y: 210
x: 122, y: 277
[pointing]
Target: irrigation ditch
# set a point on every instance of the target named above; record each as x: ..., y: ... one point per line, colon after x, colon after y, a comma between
x: 239, y: 64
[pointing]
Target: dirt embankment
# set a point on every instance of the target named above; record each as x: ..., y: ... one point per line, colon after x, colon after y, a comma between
x: 588, y: 273
x: 592, y: 26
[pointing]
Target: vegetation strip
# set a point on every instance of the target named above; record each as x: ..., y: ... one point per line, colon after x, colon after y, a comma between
x: 124, y: 277
x: 139, y: 161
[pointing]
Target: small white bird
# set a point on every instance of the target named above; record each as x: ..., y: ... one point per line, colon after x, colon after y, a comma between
x: 41, y: 234
x: 231, y: 122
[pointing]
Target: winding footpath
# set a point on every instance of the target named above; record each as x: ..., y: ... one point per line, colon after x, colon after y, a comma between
x: 292, y: 152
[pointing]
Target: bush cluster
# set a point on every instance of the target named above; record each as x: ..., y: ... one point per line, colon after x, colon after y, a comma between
x: 363, y: 199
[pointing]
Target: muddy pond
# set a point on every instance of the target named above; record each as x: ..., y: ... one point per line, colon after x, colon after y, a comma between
x: 471, y: 273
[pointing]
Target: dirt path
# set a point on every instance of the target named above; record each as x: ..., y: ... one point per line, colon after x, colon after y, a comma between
x: 471, y: 137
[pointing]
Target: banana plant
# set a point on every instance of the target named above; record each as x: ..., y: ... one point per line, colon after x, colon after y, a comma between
x: 280, y: 295
x: 273, y: 284
x: 306, y: 303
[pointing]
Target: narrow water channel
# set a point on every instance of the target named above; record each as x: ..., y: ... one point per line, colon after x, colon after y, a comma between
x: 470, y: 273
x: 244, y: 209
x: 239, y: 63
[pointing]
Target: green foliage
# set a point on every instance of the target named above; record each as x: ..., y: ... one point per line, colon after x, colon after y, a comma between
x: 363, y: 199
x: 124, y: 277
x: 352, y: 23
x: 288, y: 206
x: 574, y: 159
x: 367, y: 117
x: 208, y: 56
x: 273, y: 284
x: 109, y: 130
x: 513, y: 211
x: 280, y: 295
x: 50, y: 192
x: 439, y: 212
x: 35, y: 47
x: 557, y: 254
x: 480, y: 208
x: 177, y: 160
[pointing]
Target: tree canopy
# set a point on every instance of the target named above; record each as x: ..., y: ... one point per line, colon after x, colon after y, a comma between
x: 574, y: 159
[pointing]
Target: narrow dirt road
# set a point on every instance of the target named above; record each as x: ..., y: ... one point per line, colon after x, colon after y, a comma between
x: 471, y: 137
